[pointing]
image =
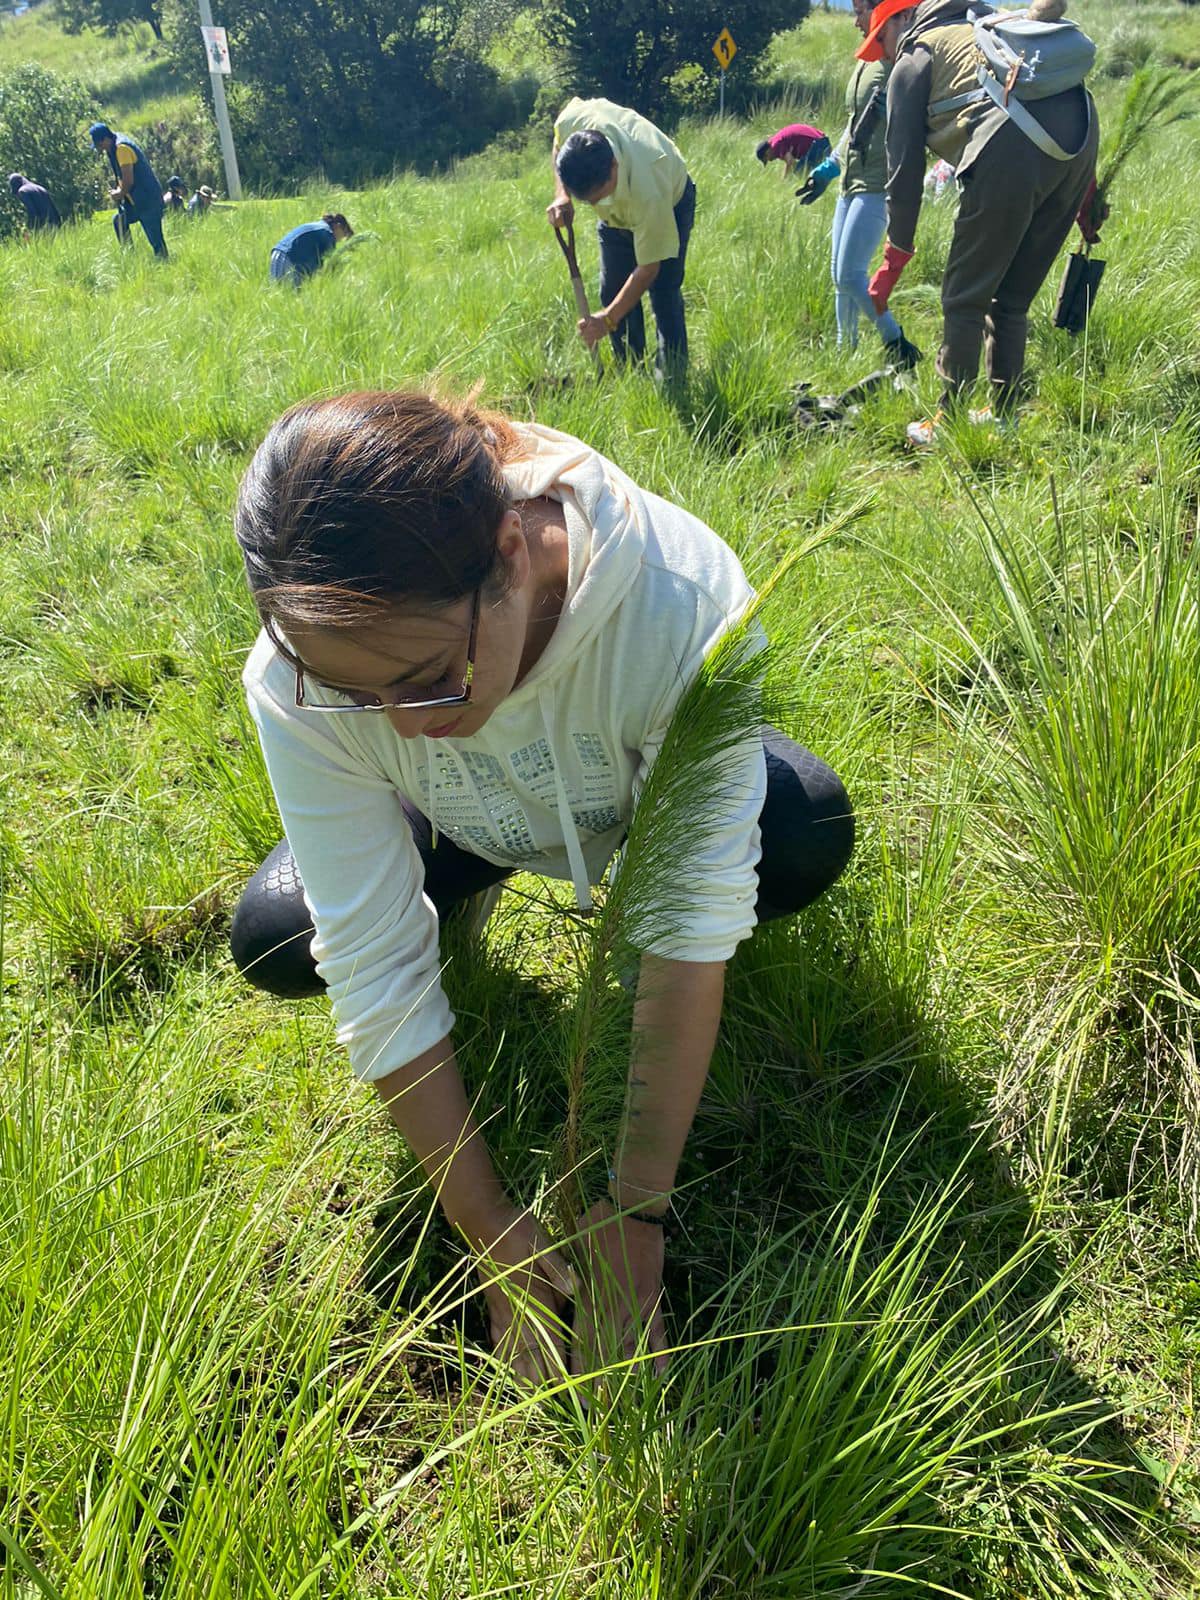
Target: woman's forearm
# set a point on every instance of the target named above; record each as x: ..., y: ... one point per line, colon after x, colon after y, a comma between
x: 428, y: 1103
x: 675, y: 1023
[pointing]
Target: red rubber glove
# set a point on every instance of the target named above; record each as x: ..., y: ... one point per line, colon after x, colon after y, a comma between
x: 888, y: 276
x: 1092, y: 217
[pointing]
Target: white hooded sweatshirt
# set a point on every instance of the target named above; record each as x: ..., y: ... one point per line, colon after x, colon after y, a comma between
x: 548, y: 784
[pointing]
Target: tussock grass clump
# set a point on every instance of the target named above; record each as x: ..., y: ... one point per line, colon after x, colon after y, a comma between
x: 1089, y: 729
x: 205, y: 1385
x: 1129, y: 49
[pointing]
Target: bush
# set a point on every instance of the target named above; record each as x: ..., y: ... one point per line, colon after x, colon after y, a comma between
x: 185, y: 145
x: 650, y: 57
x: 479, y: 103
x: 351, y: 91
x: 43, y: 132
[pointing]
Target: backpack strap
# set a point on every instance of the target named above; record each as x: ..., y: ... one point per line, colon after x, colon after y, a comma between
x: 955, y: 103
x: 993, y: 88
x: 1028, y: 123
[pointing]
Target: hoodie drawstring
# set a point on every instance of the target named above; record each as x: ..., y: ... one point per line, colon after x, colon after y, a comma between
x: 579, y: 871
x: 431, y: 809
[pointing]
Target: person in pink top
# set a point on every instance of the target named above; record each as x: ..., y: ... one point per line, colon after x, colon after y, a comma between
x: 797, y: 143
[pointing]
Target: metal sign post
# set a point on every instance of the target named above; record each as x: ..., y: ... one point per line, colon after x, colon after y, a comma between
x: 217, y: 52
x: 724, y: 49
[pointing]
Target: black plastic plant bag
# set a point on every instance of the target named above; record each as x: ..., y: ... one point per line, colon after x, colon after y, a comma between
x: 1077, y: 292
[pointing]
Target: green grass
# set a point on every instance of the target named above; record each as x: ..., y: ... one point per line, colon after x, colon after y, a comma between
x: 934, y: 1292
x: 129, y: 73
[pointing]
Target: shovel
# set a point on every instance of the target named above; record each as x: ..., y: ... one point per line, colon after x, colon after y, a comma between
x: 123, y: 209
x: 811, y: 410
x: 566, y: 243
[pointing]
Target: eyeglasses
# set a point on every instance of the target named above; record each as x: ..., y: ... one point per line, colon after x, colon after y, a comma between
x: 399, y: 697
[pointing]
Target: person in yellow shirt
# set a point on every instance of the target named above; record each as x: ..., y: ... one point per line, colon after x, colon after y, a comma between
x: 636, y: 180
x: 137, y: 195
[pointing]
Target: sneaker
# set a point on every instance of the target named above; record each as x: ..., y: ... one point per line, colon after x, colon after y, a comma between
x: 902, y: 353
x: 921, y: 435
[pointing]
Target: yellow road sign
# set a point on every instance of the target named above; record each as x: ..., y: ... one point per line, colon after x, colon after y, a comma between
x: 724, y: 48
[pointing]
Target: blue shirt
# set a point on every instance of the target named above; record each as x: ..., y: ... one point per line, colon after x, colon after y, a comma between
x: 307, y: 245
x: 39, y: 208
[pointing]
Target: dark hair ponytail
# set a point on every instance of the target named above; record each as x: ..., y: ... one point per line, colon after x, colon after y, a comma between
x: 366, y: 501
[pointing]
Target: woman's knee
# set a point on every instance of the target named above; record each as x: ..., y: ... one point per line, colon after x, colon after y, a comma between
x: 271, y: 933
x: 836, y: 827
x: 851, y: 282
x: 807, y: 826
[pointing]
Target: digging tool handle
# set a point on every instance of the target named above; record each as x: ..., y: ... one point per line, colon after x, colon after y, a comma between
x: 566, y: 243
x: 123, y: 209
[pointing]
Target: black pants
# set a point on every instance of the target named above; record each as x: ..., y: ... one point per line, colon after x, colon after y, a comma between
x: 617, y: 261
x: 807, y: 829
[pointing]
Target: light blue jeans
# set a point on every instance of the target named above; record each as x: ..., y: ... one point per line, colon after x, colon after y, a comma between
x: 858, y: 227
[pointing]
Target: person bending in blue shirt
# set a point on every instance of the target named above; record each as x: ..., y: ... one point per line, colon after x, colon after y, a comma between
x: 40, y: 210
x: 300, y: 252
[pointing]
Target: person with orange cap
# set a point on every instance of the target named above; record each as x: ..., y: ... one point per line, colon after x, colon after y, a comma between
x: 1022, y: 176
x: 859, y: 217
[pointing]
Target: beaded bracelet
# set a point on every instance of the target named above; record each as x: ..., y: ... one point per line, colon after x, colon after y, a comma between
x: 635, y: 1215
x: 647, y: 1217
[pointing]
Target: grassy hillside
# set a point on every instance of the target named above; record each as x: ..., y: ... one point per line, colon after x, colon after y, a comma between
x: 933, y: 1283
x: 128, y: 73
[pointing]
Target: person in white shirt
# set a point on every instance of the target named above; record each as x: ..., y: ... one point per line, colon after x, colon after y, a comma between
x: 475, y: 633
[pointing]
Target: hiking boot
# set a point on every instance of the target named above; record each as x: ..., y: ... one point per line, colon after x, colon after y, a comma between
x: 902, y: 353
x: 922, y: 435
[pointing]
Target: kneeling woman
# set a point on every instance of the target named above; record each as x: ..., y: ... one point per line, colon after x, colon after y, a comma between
x: 474, y: 635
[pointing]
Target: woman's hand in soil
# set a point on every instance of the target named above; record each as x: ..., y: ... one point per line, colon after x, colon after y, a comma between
x: 526, y: 1285
x: 622, y: 1297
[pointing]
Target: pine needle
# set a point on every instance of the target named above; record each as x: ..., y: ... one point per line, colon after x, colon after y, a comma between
x: 1157, y: 98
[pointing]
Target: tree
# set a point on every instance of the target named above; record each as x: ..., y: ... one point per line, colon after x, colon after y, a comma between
x: 43, y: 131
x: 109, y: 15
x: 636, y: 52
x: 349, y: 87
